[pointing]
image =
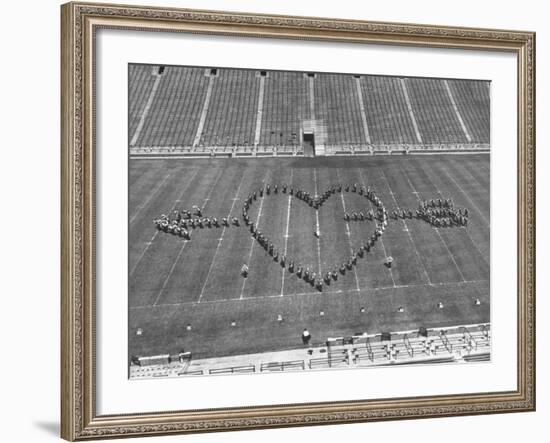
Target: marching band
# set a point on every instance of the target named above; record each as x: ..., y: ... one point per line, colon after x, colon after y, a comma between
x: 439, y: 213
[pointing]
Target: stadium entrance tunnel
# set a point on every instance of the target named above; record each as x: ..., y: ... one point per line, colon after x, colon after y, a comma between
x: 309, y: 144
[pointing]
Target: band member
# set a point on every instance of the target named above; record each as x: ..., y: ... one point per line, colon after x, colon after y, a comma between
x: 244, y: 270
x: 291, y: 267
x: 275, y: 189
x: 235, y: 221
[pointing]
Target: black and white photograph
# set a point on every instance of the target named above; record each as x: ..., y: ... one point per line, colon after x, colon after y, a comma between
x: 295, y: 221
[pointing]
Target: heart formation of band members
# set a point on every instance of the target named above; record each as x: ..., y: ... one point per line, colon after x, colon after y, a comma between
x: 439, y: 213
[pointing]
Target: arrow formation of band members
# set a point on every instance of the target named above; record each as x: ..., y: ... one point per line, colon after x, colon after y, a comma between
x: 440, y: 213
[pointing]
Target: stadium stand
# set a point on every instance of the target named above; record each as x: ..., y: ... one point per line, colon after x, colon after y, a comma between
x: 473, y: 101
x: 387, y: 114
x: 175, y: 109
x: 286, y: 105
x: 216, y: 112
x: 141, y: 81
x: 337, y: 104
x: 434, y: 113
x: 230, y: 120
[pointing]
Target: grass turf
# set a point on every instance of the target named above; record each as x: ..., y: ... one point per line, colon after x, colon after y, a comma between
x: 173, y: 282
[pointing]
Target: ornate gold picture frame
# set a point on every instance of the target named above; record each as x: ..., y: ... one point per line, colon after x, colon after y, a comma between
x: 80, y: 22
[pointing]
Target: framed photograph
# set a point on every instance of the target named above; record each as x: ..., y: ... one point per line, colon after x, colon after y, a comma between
x: 282, y: 221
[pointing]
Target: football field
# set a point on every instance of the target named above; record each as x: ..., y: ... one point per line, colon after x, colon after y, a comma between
x: 174, y: 283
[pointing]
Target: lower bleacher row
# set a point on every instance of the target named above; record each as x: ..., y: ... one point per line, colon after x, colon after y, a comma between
x: 472, y: 343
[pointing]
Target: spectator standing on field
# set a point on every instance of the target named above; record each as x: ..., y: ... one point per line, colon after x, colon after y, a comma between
x: 306, y: 337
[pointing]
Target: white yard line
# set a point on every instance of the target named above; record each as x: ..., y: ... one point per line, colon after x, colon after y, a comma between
x: 410, y: 109
x: 148, y: 244
x: 146, y: 202
x: 220, y: 241
x: 204, y: 111
x: 408, y: 231
x: 364, y: 183
x: 457, y: 112
x: 436, y: 229
x: 205, y: 202
x: 318, y: 227
x: 148, y: 105
x: 283, y: 272
x: 259, y: 112
x: 253, y: 240
x: 301, y: 294
x: 348, y: 232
